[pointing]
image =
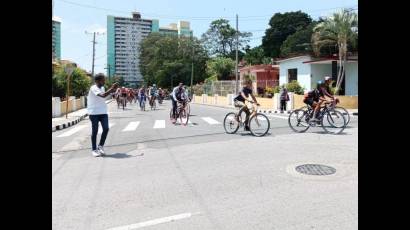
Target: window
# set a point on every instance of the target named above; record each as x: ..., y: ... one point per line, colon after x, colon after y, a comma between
x: 292, y: 75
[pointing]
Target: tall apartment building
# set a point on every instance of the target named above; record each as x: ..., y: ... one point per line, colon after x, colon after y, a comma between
x: 124, y: 36
x: 180, y: 29
x: 56, y: 40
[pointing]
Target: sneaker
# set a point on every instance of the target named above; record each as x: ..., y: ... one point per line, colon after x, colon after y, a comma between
x: 101, y: 150
x: 96, y: 153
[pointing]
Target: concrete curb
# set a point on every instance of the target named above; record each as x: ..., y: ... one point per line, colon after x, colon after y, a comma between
x: 74, y: 122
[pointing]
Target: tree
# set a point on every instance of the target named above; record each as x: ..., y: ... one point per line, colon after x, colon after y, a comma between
x: 339, y: 29
x: 220, y: 39
x: 255, y: 56
x: 79, y: 83
x: 299, y: 42
x: 220, y: 68
x: 281, y: 26
x: 165, y: 60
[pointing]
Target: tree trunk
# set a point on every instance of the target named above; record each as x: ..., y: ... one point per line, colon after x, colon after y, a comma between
x: 339, y: 73
x: 342, y: 65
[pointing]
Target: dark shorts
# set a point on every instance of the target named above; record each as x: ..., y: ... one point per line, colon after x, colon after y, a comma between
x: 308, y: 101
x: 123, y: 95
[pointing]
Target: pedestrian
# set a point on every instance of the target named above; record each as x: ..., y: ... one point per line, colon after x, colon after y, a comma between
x: 97, y: 111
x: 284, y: 98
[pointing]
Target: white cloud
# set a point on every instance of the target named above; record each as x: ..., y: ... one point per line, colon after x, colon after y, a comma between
x: 55, y: 18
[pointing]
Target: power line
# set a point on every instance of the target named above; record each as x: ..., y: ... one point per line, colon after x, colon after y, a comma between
x: 199, y: 18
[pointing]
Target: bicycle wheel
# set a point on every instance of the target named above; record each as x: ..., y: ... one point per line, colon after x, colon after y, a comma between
x: 184, y: 116
x: 333, y: 122
x: 344, y: 112
x: 298, y: 121
x: 231, y: 123
x: 259, y: 125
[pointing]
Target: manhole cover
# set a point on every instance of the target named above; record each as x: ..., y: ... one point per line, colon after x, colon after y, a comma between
x: 315, y: 169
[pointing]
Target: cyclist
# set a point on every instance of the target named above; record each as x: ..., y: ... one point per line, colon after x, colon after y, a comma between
x: 160, y: 95
x: 152, y: 93
x: 178, y: 95
x: 239, y: 101
x: 315, y: 98
x: 142, y: 95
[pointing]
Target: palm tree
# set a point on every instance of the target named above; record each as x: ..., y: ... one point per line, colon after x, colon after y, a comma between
x: 340, y: 29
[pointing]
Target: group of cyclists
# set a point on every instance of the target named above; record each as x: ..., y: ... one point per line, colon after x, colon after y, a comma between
x: 314, y: 98
x: 129, y: 95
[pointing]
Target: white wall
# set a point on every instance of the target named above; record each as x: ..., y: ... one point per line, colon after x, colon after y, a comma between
x: 304, y: 70
x: 319, y: 71
x: 352, y: 79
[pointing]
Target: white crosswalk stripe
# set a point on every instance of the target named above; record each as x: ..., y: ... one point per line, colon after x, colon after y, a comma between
x: 159, y: 124
x: 132, y: 126
x: 278, y: 116
x: 100, y: 127
x: 210, y: 120
x: 72, y: 131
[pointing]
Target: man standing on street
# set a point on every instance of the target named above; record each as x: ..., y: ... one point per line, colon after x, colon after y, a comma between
x: 98, y: 112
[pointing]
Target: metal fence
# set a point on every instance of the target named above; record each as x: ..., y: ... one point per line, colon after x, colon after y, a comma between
x: 222, y: 88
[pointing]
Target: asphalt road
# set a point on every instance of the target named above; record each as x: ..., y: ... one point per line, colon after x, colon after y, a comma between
x: 157, y: 175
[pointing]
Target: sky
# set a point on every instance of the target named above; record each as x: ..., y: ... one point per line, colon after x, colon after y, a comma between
x: 79, y: 16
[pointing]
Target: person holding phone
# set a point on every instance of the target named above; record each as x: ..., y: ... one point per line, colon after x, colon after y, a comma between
x: 98, y: 112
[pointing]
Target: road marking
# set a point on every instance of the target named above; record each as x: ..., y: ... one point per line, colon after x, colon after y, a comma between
x: 277, y: 116
x: 210, y: 121
x: 153, y: 222
x: 72, y: 131
x: 159, y: 124
x: 100, y: 128
x: 132, y: 126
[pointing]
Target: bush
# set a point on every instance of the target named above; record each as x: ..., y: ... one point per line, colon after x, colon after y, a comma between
x: 198, y: 89
x: 295, y: 87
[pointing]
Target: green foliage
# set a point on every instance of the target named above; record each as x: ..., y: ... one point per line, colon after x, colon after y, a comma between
x: 79, y: 83
x: 299, y: 42
x: 276, y: 89
x: 220, y: 68
x: 220, y: 39
x: 255, y: 56
x: 294, y: 87
x: 166, y: 59
x: 281, y: 26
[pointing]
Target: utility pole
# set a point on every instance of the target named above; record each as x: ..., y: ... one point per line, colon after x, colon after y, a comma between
x: 192, y: 66
x: 109, y: 72
x: 94, y: 42
x: 236, y: 62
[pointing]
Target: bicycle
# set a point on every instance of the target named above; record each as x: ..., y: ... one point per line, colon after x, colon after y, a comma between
x: 332, y: 121
x: 336, y: 108
x: 259, y: 123
x: 153, y: 104
x: 142, y: 103
x: 182, y: 112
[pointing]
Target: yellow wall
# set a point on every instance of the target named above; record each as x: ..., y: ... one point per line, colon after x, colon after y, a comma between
x: 265, y: 103
x: 347, y: 102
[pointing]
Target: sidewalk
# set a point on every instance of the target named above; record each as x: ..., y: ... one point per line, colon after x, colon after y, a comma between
x: 73, y: 118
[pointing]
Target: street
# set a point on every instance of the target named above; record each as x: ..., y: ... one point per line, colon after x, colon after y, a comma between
x: 157, y: 175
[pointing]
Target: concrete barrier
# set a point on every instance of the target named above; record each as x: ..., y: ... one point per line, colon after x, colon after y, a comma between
x: 59, y: 107
x: 295, y: 101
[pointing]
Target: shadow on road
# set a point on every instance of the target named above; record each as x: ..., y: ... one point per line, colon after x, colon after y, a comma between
x: 118, y: 155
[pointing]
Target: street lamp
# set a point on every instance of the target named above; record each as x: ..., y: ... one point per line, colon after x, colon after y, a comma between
x: 69, y: 68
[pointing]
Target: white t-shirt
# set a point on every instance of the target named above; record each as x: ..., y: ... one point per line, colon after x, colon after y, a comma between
x: 96, y: 104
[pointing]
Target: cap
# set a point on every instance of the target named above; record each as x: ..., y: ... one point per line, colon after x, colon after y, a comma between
x: 327, y: 78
